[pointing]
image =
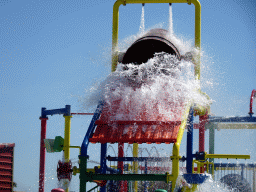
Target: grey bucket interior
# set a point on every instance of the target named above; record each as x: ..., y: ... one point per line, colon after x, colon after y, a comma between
x: 155, y: 41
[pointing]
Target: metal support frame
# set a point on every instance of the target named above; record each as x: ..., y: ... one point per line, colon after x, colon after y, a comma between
x: 125, y: 2
x: 176, y: 146
x: 44, y: 113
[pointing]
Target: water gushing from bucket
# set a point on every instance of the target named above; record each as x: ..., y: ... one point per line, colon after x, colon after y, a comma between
x: 142, y: 21
x: 170, y: 20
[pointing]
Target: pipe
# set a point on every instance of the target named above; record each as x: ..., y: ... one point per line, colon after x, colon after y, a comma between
x: 42, y: 153
x: 116, y: 21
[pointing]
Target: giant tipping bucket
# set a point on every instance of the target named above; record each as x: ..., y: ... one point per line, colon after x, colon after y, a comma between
x: 144, y: 48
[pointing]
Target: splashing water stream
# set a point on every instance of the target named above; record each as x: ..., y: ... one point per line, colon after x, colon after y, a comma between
x: 170, y: 20
x: 142, y: 21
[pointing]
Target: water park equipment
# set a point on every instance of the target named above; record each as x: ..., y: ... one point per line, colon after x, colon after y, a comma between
x: 104, y: 130
x: 155, y: 41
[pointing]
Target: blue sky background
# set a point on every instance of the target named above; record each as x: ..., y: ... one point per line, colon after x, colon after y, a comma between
x: 52, y: 52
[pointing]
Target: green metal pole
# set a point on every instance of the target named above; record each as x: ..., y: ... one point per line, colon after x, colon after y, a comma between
x: 211, y: 142
x: 83, y: 170
x: 89, y: 176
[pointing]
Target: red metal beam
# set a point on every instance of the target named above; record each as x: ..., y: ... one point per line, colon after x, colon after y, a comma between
x: 42, y: 154
x: 253, y: 95
x: 202, y: 121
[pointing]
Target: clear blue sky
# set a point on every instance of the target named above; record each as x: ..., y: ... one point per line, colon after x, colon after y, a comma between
x: 53, y: 51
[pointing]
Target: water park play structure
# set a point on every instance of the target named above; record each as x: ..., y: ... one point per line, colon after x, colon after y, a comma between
x: 138, y: 175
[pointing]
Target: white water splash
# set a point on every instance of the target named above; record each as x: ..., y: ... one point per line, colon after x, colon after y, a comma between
x: 212, y: 186
x: 161, y: 86
x: 208, y: 186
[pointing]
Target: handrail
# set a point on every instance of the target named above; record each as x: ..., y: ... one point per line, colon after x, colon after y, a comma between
x: 116, y: 21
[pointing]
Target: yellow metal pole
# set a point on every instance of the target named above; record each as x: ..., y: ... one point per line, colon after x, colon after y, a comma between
x: 135, y: 164
x: 77, y: 147
x: 67, y: 141
x: 115, y: 33
x: 175, y: 163
x: 197, y: 36
x: 176, y: 147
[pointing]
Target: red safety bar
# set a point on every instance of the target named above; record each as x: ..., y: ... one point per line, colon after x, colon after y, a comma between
x: 157, y: 130
x: 136, y: 132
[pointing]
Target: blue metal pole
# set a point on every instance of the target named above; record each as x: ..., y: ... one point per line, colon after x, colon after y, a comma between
x: 190, y: 142
x: 103, y: 163
x: 90, y: 130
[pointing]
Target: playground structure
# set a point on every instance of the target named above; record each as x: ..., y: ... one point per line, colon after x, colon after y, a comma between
x: 124, y: 176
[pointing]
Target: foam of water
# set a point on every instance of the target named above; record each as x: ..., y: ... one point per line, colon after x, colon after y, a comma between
x: 208, y: 186
x: 161, y: 86
x: 212, y: 186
